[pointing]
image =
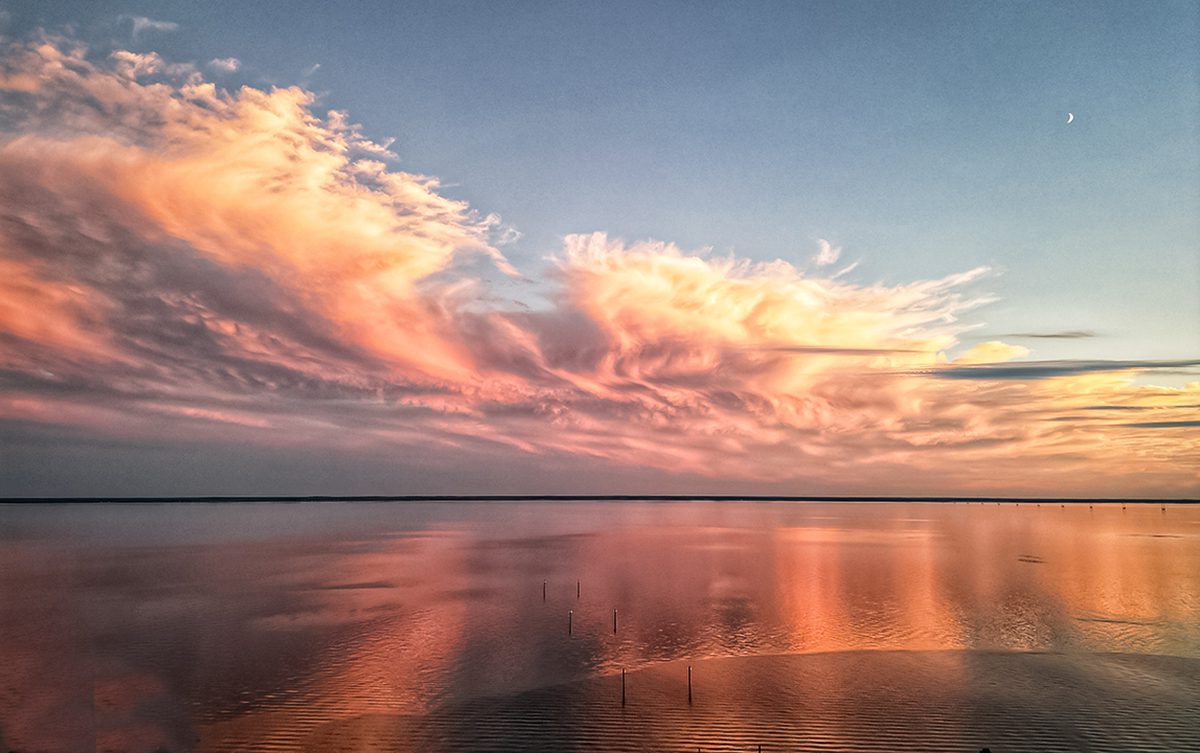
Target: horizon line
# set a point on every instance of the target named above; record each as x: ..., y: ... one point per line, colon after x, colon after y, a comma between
x: 584, y: 498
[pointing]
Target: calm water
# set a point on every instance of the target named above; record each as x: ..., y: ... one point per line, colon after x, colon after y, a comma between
x: 402, y: 626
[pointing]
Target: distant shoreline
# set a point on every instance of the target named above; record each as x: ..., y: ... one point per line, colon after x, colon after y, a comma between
x: 592, y: 498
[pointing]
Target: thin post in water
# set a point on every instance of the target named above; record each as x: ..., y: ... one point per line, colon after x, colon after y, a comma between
x: 689, y: 684
x: 578, y: 589
x: 622, y: 687
x: 614, y: 620
x: 543, y: 590
x: 570, y: 621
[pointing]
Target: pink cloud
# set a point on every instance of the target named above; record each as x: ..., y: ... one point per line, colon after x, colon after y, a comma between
x: 177, y: 260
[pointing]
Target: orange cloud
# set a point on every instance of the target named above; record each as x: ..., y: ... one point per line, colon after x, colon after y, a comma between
x: 992, y: 351
x: 761, y: 371
x: 251, y: 179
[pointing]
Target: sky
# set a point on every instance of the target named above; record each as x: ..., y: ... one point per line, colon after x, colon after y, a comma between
x: 794, y: 248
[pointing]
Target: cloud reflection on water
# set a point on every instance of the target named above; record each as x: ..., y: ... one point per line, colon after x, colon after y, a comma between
x: 347, y: 612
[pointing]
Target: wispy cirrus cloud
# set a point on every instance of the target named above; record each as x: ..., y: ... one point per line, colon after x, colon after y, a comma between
x: 235, y: 266
x: 1071, y: 334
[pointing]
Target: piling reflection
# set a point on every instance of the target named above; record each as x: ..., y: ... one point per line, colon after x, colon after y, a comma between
x: 281, y: 627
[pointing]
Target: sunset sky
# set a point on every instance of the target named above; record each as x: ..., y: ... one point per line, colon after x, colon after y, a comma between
x: 794, y: 248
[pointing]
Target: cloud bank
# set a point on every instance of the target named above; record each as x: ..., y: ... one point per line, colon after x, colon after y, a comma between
x: 179, y: 262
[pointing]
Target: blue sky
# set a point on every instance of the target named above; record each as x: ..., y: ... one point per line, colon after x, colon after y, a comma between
x: 202, y: 269
x: 923, y: 138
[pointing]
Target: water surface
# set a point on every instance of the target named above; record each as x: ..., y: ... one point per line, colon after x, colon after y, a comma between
x: 423, y: 626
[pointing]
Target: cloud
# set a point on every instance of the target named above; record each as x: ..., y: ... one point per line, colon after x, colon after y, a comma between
x: 248, y: 180
x: 225, y: 65
x: 502, y: 234
x: 1165, y: 424
x: 1078, y: 334
x: 143, y: 24
x: 826, y: 350
x: 827, y: 253
x: 233, y: 267
x: 1052, y: 369
x: 1135, y: 407
x: 846, y: 269
x: 638, y: 293
x: 993, y: 351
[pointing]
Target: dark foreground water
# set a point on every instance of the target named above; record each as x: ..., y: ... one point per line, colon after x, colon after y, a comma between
x: 423, y: 627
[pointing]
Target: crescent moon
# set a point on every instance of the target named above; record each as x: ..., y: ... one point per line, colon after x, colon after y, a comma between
x: 1070, y: 117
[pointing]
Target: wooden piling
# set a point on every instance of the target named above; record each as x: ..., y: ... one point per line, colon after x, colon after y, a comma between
x: 614, y: 621
x: 622, y: 687
x: 578, y: 589
x: 689, y: 684
x: 570, y: 621
x: 543, y: 590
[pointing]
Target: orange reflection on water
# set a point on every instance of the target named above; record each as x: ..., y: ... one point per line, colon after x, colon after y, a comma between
x: 340, y: 627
